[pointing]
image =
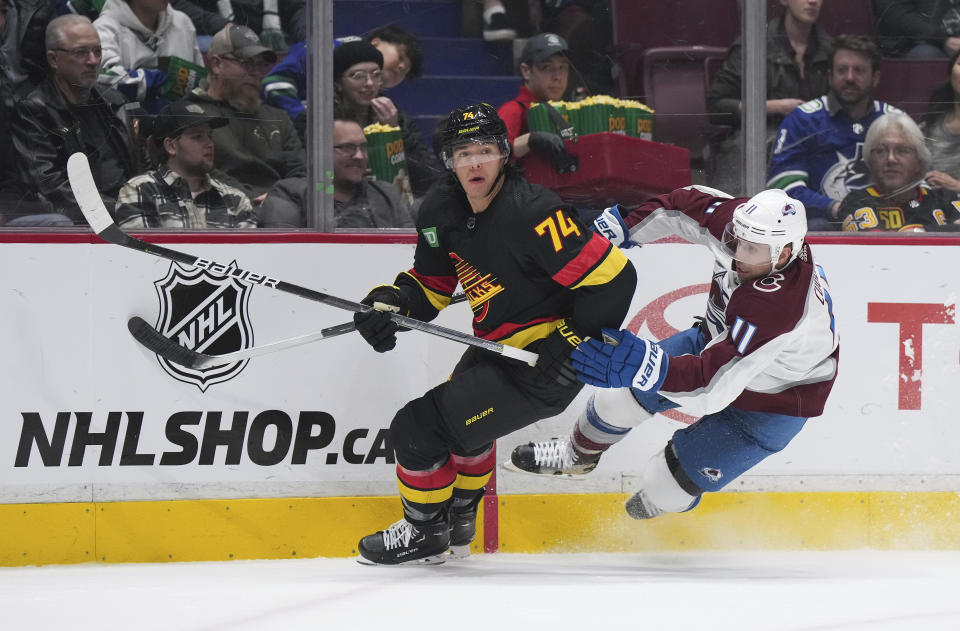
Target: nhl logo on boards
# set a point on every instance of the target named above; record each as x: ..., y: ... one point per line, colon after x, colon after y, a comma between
x: 207, y: 313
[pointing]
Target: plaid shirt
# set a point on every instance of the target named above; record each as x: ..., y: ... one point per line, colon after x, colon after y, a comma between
x: 162, y: 199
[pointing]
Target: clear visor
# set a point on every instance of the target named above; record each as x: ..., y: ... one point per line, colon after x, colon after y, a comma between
x: 743, y: 251
x: 472, y: 152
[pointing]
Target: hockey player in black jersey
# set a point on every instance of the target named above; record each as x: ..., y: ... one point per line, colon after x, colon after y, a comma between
x: 536, y: 278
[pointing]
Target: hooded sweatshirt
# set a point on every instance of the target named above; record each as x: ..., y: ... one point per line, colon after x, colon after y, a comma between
x: 131, y: 51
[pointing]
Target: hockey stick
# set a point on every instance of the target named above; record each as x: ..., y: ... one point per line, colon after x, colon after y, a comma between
x: 163, y: 346
x: 93, y: 209
x: 155, y: 341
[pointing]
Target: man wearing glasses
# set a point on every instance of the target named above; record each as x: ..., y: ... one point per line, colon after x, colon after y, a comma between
x: 259, y: 144
x: 899, y: 199
x: 358, y: 202
x: 68, y: 113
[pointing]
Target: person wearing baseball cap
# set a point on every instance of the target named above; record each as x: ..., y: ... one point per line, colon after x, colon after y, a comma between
x: 259, y: 144
x: 545, y: 70
x: 180, y: 193
x: 240, y: 42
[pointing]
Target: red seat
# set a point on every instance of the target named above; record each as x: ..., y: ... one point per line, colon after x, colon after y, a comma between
x: 907, y: 83
x: 656, y: 23
x: 675, y: 85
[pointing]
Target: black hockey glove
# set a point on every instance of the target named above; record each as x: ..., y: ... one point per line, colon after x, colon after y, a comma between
x: 551, y: 147
x: 375, y: 325
x: 554, y: 361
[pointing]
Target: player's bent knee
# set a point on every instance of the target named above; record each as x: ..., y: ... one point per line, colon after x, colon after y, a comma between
x: 663, y: 488
x: 415, y: 436
x: 619, y: 408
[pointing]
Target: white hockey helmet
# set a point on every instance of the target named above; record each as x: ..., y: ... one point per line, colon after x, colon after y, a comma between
x: 772, y: 218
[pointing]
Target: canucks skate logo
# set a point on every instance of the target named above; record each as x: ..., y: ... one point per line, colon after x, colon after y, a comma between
x: 847, y: 174
x: 207, y: 313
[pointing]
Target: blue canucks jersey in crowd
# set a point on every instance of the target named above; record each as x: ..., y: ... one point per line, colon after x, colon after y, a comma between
x: 817, y: 154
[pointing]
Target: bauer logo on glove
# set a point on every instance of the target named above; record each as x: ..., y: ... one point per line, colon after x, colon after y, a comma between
x: 610, y: 224
x: 622, y: 360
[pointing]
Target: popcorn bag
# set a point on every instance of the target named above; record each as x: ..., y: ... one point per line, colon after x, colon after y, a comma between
x: 182, y: 76
x: 595, y: 115
x: 639, y: 120
x: 387, y: 159
x: 539, y: 120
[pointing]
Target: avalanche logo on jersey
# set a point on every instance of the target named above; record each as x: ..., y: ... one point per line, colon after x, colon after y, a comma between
x: 711, y: 473
x: 207, y: 313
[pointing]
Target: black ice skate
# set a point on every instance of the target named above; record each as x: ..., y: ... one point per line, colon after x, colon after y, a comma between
x: 406, y: 543
x: 463, y: 527
x: 551, y: 457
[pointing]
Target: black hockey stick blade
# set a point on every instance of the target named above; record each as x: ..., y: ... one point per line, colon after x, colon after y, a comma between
x: 167, y: 348
x: 95, y: 212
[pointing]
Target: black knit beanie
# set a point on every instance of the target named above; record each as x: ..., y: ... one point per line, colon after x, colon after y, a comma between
x: 350, y: 53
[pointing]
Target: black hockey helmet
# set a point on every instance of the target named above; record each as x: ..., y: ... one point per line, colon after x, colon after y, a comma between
x: 473, y: 123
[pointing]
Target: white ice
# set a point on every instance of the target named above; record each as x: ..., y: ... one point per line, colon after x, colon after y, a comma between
x: 802, y: 591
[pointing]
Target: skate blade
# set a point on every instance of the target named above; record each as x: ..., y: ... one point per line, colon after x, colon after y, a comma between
x: 509, y: 466
x: 437, y: 559
x: 458, y: 553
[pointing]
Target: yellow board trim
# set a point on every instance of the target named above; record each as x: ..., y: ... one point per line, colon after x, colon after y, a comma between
x: 216, y: 530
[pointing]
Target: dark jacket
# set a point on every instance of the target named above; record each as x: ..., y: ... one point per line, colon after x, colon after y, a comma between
x: 46, y: 132
x: 783, y: 74
x: 206, y: 17
x: 375, y: 205
x: 253, y: 151
x: 32, y: 19
x: 902, y: 24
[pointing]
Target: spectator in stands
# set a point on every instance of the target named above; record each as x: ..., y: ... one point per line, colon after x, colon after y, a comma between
x: 88, y: 8
x: 358, y: 77
x: 545, y: 70
x: 8, y: 197
x: 259, y: 145
x: 22, y: 54
x: 496, y: 26
x: 798, y: 56
x: 917, y: 28
x: 898, y: 200
x: 941, y: 128
x: 68, y: 113
x: 286, y: 85
x: 279, y: 22
x: 816, y: 154
x: 587, y: 25
x: 358, y: 202
x: 136, y: 36
x: 180, y: 193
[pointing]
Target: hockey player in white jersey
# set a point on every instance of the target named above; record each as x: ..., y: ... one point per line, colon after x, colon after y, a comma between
x: 760, y: 363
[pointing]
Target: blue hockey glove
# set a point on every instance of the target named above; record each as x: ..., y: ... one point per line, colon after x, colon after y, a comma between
x: 622, y: 361
x: 610, y: 224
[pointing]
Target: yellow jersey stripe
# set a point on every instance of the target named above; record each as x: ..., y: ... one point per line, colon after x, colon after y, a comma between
x: 615, y: 261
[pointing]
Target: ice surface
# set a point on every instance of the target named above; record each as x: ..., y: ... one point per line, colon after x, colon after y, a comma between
x: 802, y: 591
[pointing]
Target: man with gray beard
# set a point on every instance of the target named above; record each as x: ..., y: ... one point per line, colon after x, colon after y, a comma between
x: 259, y: 144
